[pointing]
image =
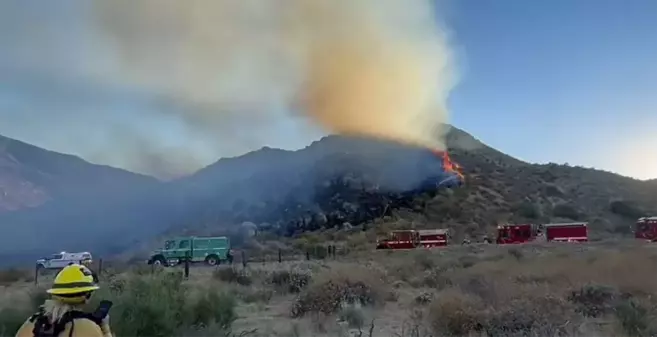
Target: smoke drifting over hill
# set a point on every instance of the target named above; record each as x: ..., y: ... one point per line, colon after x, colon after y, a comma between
x: 228, y: 71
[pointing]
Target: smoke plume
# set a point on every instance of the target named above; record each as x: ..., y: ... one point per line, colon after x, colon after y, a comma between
x: 230, y: 71
x: 368, y: 67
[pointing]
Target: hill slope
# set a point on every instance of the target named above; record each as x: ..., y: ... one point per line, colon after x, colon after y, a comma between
x: 31, y: 176
x: 334, y: 181
x: 338, y: 180
x: 50, y: 200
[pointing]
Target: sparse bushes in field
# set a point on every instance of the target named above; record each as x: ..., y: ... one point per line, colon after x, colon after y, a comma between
x: 634, y: 318
x: 232, y: 275
x: 353, y: 315
x: 289, y: 281
x: 212, y: 307
x: 256, y: 295
x: 13, y: 275
x: 593, y: 300
x: 454, y: 313
x: 516, y: 253
x: 333, y: 289
x: 13, y: 316
x: 423, y: 260
x: 161, y: 305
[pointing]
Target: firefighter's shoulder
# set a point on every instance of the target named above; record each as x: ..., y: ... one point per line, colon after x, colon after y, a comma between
x: 82, y: 327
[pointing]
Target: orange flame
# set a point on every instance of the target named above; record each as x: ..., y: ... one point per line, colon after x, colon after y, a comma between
x: 449, y: 165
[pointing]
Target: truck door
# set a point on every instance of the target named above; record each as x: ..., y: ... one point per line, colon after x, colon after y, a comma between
x: 56, y: 261
x: 184, y: 248
x: 416, y: 239
x: 200, y: 249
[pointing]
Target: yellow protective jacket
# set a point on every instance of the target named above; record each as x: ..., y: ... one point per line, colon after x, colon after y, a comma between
x: 79, y: 327
x: 72, y: 322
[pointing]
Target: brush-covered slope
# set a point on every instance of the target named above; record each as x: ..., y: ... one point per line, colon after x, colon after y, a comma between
x: 341, y: 180
x: 334, y: 181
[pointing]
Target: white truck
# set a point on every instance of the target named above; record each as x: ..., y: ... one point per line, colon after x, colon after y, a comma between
x: 63, y: 259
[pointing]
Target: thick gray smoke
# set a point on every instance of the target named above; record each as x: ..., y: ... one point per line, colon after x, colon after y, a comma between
x: 230, y: 71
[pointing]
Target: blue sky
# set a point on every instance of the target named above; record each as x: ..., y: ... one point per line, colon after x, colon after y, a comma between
x: 543, y: 80
x: 561, y: 80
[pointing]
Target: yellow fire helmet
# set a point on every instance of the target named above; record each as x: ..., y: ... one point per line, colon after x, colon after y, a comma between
x: 73, y: 279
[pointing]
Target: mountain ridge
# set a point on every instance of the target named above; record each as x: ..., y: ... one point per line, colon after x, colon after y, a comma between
x: 331, y: 182
x: 39, y: 175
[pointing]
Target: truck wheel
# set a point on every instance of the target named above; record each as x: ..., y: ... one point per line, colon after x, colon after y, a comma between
x: 212, y: 260
x: 159, y: 261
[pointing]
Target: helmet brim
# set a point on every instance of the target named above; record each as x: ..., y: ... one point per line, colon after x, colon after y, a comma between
x: 70, y: 291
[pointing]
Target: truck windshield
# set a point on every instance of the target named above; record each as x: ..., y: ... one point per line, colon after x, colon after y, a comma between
x: 184, y: 244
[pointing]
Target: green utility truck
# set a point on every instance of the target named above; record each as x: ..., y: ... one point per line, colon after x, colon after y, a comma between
x: 211, y: 250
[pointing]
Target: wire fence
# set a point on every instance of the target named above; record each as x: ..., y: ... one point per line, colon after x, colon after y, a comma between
x: 241, y: 259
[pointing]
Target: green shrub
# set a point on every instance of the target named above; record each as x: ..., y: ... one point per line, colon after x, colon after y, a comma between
x: 213, y: 307
x: 333, y: 289
x: 161, y: 305
x: 626, y: 209
x: 11, y: 320
x: 12, y: 317
x: 454, y: 313
x: 566, y: 211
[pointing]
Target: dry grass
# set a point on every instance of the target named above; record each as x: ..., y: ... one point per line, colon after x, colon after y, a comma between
x: 602, y: 289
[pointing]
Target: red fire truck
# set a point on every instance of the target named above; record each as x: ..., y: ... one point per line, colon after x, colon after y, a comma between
x: 409, y: 239
x: 646, y: 229
x: 558, y: 232
x: 567, y: 232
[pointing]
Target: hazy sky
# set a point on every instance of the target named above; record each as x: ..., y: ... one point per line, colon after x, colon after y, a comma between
x: 560, y: 80
x: 546, y: 81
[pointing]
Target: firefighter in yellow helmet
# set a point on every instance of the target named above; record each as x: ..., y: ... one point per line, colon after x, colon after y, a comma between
x: 62, y: 315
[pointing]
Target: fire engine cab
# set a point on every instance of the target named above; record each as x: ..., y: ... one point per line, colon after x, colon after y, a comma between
x: 646, y: 229
x: 409, y: 239
x: 558, y: 232
x: 518, y: 233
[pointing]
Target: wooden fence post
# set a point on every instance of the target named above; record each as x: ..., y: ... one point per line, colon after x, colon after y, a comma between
x: 243, y: 260
x: 307, y: 254
x: 100, y: 267
x: 280, y: 256
x: 36, y: 275
x: 187, y: 258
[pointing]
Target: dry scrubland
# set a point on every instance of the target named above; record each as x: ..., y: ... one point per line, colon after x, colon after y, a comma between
x: 602, y: 289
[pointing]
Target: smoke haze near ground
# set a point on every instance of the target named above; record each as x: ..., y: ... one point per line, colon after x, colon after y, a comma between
x: 230, y: 71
